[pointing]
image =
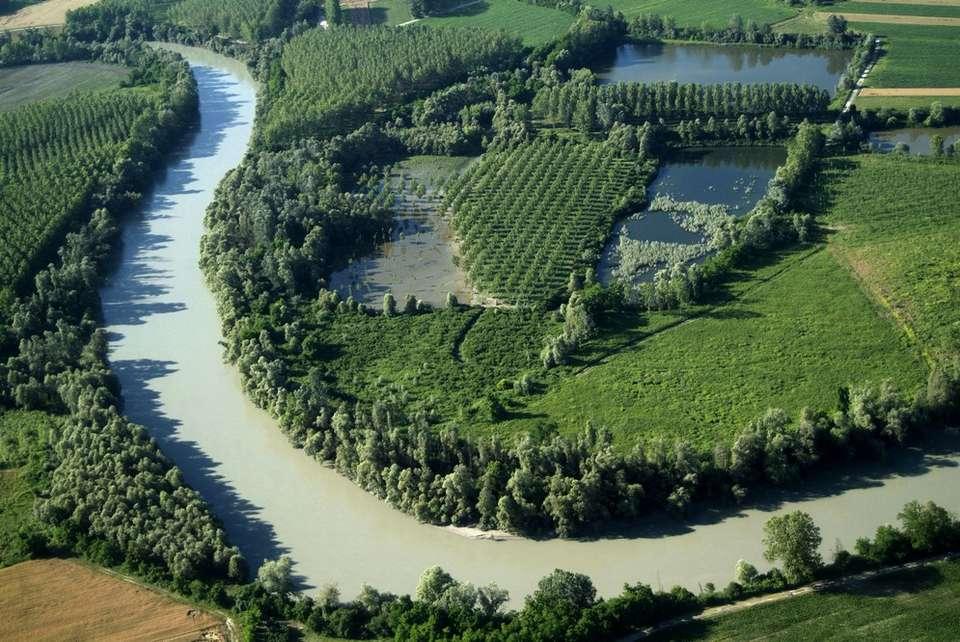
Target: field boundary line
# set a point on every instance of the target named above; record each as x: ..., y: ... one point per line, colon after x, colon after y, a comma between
x: 927, y: 3
x: 705, y: 313
x: 445, y: 13
x: 772, y: 598
x: 875, y: 293
x: 892, y: 19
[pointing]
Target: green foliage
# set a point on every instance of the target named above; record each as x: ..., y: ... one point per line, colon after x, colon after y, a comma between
x: 897, y: 231
x: 53, y: 155
x: 334, y: 80
x: 703, y: 380
x: 793, y: 539
x: 921, y: 601
x: 527, y: 217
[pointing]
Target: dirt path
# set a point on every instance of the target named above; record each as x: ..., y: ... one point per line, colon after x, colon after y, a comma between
x: 753, y: 602
x: 910, y: 91
x: 928, y: 21
x: 51, y: 13
x: 862, y: 80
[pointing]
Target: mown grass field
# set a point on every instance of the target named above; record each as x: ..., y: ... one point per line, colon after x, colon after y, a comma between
x: 896, y: 224
x: 916, y: 56
x: 848, y: 9
x: 919, y: 604
x: 792, y: 333
x: 535, y: 25
x: 715, y: 12
x: 904, y: 103
x: 22, y: 85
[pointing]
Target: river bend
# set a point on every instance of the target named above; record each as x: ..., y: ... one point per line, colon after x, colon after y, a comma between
x: 274, y: 500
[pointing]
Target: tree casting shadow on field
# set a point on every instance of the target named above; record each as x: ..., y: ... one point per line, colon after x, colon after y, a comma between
x: 937, y: 451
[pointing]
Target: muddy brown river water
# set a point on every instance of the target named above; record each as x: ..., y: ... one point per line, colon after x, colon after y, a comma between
x: 275, y: 500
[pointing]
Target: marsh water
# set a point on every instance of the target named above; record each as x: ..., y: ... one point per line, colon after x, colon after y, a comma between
x: 916, y: 138
x: 714, y: 64
x: 419, y: 259
x: 274, y: 500
x: 735, y: 177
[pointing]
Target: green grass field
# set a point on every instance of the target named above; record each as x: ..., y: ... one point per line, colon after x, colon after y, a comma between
x: 892, y: 9
x: 535, y: 25
x: 898, y: 227
x: 22, y: 85
x: 905, y: 103
x: 919, y: 604
x: 715, y: 12
x: 916, y: 56
x: 793, y: 333
x: 22, y: 436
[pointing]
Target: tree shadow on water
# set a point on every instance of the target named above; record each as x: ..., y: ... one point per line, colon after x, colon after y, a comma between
x: 256, y: 538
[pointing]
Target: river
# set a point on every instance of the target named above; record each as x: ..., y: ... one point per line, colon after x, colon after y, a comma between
x: 274, y: 500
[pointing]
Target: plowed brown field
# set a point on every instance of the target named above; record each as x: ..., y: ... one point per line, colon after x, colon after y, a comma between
x: 45, y: 14
x: 65, y: 600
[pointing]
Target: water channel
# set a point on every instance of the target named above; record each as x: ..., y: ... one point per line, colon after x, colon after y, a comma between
x: 274, y: 500
x: 714, y: 64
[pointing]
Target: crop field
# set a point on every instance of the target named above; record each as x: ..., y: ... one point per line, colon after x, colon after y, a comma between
x: 528, y: 217
x: 22, y: 85
x: 41, y: 14
x: 851, y: 9
x: 916, y: 56
x: 791, y: 334
x: 69, y: 601
x: 336, y: 79
x: 534, y: 25
x: 897, y: 228
x: 64, y: 144
x: 918, y: 604
x: 905, y: 103
x: 714, y: 13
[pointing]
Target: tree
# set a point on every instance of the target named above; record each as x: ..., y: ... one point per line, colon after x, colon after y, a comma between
x: 836, y: 24
x: 433, y: 583
x: 555, y: 607
x: 275, y: 576
x: 794, y: 540
x: 746, y: 573
x: 334, y: 13
x: 929, y: 527
x: 389, y: 305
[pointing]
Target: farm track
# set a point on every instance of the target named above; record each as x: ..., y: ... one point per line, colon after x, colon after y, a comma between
x: 808, y: 589
x: 927, y: 3
x: 701, y: 315
x: 462, y: 336
x: 883, y: 18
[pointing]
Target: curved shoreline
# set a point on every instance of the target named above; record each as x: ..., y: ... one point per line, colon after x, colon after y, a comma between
x: 275, y: 500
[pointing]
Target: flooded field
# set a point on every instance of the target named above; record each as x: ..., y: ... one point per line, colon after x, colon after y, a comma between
x: 734, y: 177
x: 917, y: 139
x: 715, y: 64
x: 419, y: 258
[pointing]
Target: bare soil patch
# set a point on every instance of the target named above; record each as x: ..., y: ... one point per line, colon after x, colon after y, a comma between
x: 45, y: 14
x: 896, y: 20
x: 910, y: 91
x: 65, y: 600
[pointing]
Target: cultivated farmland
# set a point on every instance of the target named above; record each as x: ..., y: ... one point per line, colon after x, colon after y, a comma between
x: 70, y: 601
x: 27, y: 84
x: 528, y: 217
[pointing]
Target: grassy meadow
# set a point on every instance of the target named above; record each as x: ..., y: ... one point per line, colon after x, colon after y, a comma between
x: 848, y: 9
x: 896, y: 225
x: 916, y: 56
x: 918, y: 604
x: 716, y: 12
x: 27, y: 84
x: 788, y: 335
x: 535, y: 25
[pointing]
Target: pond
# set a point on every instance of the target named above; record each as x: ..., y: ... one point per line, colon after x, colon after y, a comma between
x: 715, y: 64
x: 735, y: 177
x: 274, y: 500
x: 419, y: 258
x: 916, y: 138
